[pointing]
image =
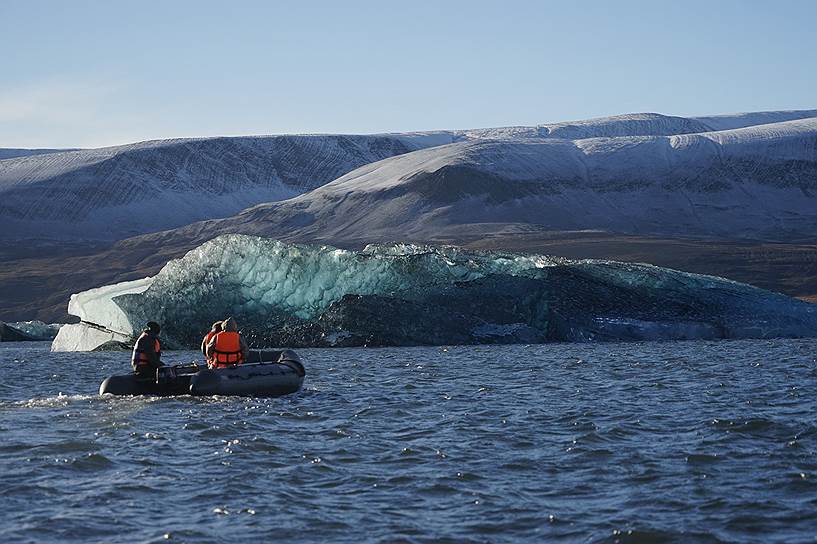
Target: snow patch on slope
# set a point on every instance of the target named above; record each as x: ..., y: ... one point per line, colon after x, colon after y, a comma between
x: 115, y: 192
x: 742, y: 120
x: 754, y: 182
x: 11, y: 153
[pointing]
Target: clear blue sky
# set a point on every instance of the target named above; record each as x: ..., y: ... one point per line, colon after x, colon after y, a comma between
x: 82, y: 73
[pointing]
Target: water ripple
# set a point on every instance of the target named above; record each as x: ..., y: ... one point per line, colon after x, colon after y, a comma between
x: 645, y: 442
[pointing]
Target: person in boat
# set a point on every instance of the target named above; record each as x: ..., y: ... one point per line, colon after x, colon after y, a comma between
x: 214, y: 330
x: 147, y: 352
x: 227, y: 348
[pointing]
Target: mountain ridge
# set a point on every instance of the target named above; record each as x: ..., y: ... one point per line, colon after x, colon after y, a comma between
x: 746, y: 183
x: 103, y: 193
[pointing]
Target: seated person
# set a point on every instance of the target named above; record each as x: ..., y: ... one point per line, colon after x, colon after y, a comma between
x: 228, y: 347
x: 147, y: 352
x: 214, y: 330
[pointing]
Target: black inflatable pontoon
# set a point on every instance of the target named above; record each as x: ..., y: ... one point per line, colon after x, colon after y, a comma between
x: 264, y: 374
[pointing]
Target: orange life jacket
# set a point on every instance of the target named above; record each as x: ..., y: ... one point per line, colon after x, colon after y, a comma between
x: 227, y: 350
x: 140, y: 357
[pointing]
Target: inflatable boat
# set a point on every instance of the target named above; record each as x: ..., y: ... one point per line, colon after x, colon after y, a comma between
x: 263, y: 374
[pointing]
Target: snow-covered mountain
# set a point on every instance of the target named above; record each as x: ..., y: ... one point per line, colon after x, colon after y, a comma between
x: 750, y: 119
x: 12, y: 152
x: 116, y: 192
x: 757, y: 182
x: 636, y: 124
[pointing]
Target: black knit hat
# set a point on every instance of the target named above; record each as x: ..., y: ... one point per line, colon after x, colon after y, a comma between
x: 152, y: 326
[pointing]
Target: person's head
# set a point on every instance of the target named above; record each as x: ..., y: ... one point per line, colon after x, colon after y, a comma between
x: 152, y: 327
x: 216, y: 326
x: 229, y: 324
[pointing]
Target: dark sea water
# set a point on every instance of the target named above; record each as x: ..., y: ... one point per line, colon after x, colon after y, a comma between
x: 646, y: 442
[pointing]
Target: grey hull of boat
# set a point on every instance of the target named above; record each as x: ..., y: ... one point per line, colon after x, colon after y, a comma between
x: 266, y: 373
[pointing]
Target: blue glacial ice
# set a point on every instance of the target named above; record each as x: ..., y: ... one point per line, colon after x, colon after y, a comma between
x: 401, y: 294
x: 37, y: 329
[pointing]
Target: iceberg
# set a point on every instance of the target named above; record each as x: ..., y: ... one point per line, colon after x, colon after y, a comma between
x: 405, y: 294
x: 25, y: 331
x: 11, y: 334
x: 37, y: 329
x: 101, y: 319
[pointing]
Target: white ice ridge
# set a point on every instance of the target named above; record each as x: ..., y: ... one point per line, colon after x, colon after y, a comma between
x: 102, y: 320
